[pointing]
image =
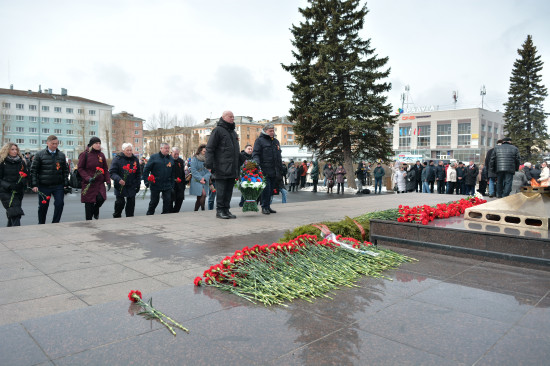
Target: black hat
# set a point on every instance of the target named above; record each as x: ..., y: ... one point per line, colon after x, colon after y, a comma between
x: 506, y: 139
x: 93, y: 140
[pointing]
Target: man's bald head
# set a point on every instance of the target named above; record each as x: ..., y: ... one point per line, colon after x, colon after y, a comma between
x: 228, y: 116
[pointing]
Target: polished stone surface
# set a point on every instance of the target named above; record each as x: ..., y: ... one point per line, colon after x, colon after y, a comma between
x: 438, y: 310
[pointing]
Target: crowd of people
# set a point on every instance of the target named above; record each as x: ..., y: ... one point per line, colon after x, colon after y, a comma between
x: 213, y: 169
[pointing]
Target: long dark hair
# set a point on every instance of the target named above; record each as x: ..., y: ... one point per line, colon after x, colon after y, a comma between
x: 199, y: 149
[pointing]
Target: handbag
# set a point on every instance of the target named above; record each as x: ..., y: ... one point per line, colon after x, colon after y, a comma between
x: 75, y: 181
x: 395, y: 188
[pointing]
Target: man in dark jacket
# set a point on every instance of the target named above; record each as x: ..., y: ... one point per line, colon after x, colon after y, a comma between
x: 379, y: 173
x: 160, y: 166
x: 505, y: 162
x: 50, y: 177
x: 418, y: 175
x: 222, y: 157
x: 440, y: 177
x: 491, y: 174
x: 125, y: 171
x: 470, y: 178
x: 178, y: 194
x: 460, y: 173
x: 431, y: 175
x: 267, y: 153
x: 527, y: 172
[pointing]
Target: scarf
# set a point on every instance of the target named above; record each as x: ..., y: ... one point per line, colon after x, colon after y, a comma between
x: 201, y: 157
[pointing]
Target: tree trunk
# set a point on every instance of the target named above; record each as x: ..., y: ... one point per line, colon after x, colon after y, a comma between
x: 348, y: 159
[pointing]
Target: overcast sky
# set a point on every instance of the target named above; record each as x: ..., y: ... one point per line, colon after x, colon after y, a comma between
x: 198, y: 58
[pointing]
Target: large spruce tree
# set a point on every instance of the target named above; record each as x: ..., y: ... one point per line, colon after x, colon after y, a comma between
x: 524, y: 115
x: 338, y: 100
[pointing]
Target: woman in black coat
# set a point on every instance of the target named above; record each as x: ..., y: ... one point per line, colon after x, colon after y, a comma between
x: 125, y: 172
x: 13, y: 173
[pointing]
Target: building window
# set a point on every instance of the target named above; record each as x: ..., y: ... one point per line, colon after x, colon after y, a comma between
x: 45, y: 130
x: 60, y: 142
x: 7, y: 117
x: 405, y: 136
x: 19, y: 129
x: 496, y: 130
x: 44, y: 142
x: 482, y: 128
x: 69, y: 110
x: 444, y: 135
x: 32, y: 129
x: 424, y: 136
x: 92, y: 123
x: 19, y: 141
x: 91, y: 112
x: 33, y: 119
x: 33, y: 141
x: 32, y: 107
x: 81, y: 122
x: 5, y: 105
x: 19, y: 106
x: 80, y: 111
x: 136, y: 132
x: 45, y: 108
x: 489, y: 142
x: 136, y: 124
x: 57, y: 109
x: 70, y: 143
x: 45, y: 120
x: 7, y: 128
x: 70, y: 132
x: 57, y: 131
x: 489, y: 129
x: 70, y: 121
x: 57, y: 120
x: 464, y: 133
x: 19, y: 118
x: 136, y: 141
x: 91, y: 133
x: 482, y: 141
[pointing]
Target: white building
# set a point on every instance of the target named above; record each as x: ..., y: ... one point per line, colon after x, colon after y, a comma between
x: 461, y: 134
x: 28, y: 118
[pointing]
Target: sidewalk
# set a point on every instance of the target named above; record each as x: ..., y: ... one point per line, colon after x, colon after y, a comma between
x: 63, y: 298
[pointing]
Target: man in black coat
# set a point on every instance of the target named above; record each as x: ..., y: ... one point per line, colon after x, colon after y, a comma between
x: 491, y: 174
x: 431, y: 175
x: 222, y: 157
x: 418, y: 175
x: 460, y: 173
x: 440, y: 177
x: 160, y: 165
x: 470, y: 178
x: 505, y: 162
x: 178, y: 193
x: 50, y: 177
x: 267, y: 153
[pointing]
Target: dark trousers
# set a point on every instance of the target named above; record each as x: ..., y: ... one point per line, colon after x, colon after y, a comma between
x: 166, y: 201
x: 451, y: 187
x: 431, y: 183
x: 124, y: 203
x: 58, y: 195
x: 13, y: 212
x: 338, y: 188
x: 315, y: 182
x: 470, y: 190
x: 419, y: 186
x: 91, y: 209
x: 460, y: 187
x: 504, y: 184
x: 303, y: 181
x: 267, y: 193
x: 482, y: 187
x: 378, y: 185
x: 224, y: 191
x: 440, y: 186
x: 212, y: 197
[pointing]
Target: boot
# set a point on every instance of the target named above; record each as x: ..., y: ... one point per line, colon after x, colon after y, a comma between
x: 265, y: 211
x: 89, y: 210
x: 228, y: 213
x: 271, y: 210
x: 220, y: 214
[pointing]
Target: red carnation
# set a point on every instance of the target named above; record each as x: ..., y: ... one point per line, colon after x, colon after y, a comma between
x: 44, y: 202
x: 178, y: 180
x: 22, y: 174
x: 132, y: 295
x: 151, y: 178
x: 197, y: 281
x: 48, y: 197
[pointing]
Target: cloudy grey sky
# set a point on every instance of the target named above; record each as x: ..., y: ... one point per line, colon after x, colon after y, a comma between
x: 198, y: 58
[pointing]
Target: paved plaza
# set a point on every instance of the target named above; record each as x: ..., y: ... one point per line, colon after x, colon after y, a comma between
x: 63, y: 298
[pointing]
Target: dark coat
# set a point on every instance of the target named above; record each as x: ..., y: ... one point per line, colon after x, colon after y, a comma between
x: 440, y: 172
x: 411, y: 180
x: 527, y: 172
x: 267, y: 153
x: 361, y: 171
x: 9, y: 178
x: 470, y: 176
x: 418, y: 172
x: 505, y: 158
x: 315, y: 170
x: 340, y: 175
x: 460, y: 173
x: 430, y: 173
x: 132, y: 181
x: 179, y: 172
x: 48, y: 170
x: 490, y: 172
x: 222, y: 151
x: 244, y: 157
x: 161, y: 167
x: 535, y: 172
x: 87, y: 170
x: 379, y: 172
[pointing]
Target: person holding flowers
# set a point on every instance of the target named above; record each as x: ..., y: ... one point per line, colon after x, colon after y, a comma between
x: 13, y: 180
x: 159, y: 175
x: 50, y: 177
x: 200, y: 177
x: 178, y: 194
x: 125, y: 172
x: 267, y: 153
x: 92, y: 167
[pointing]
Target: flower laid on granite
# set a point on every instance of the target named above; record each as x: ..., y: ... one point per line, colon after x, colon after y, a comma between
x: 22, y: 175
x: 424, y: 214
x: 149, y: 312
x: 98, y: 171
x: 304, y: 267
x: 251, y: 184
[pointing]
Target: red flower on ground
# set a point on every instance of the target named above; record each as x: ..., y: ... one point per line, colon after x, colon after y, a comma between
x: 132, y: 293
x: 197, y: 281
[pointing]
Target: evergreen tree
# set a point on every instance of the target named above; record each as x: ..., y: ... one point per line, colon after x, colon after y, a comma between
x: 524, y: 115
x: 338, y: 102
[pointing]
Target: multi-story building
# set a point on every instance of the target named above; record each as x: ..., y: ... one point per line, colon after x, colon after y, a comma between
x: 247, y: 130
x: 28, y: 118
x: 284, y: 130
x: 461, y: 134
x: 127, y: 128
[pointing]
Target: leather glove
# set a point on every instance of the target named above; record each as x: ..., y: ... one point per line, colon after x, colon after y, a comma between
x: 108, y: 186
x: 67, y: 190
x: 137, y: 189
x: 92, y: 179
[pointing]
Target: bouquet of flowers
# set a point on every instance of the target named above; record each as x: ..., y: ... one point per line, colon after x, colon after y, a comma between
x: 21, y: 176
x: 127, y: 171
x: 251, y: 184
x: 98, y: 171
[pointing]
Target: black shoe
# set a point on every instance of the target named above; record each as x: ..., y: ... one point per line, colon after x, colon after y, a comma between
x: 220, y: 214
x: 265, y: 211
x: 271, y: 210
x: 231, y: 216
